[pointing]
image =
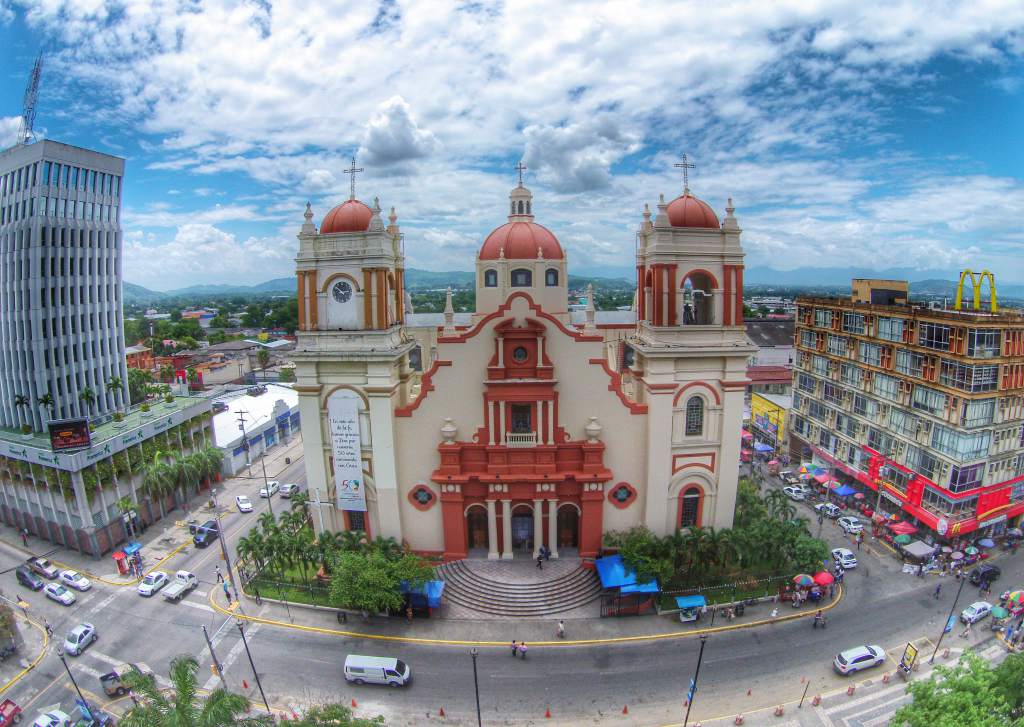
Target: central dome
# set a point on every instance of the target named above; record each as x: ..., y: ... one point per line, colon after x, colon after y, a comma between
x: 688, y: 211
x: 520, y: 241
x: 349, y: 216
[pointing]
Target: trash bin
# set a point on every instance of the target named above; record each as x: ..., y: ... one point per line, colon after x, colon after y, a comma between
x: 740, y: 608
x: 287, y: 460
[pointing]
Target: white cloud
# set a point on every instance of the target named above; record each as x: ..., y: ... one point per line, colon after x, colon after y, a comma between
x: 578, y: 157
x: 161, y: 215
x: 9, y: 126
x: 392, y: 136
x: 204, y: 252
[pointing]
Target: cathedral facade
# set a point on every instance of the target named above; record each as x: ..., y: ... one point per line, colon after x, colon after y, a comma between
x: 524, y: 423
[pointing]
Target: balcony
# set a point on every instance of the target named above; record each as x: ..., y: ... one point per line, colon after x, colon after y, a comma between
x: 520, y: 440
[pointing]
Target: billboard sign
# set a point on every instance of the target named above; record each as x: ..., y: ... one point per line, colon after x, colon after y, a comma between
x: 69, y: 434
x: 343, y: 418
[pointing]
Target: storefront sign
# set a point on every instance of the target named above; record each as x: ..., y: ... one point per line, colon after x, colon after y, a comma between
x: 892, y: 498
x: 343, y: 419
x: 991, y: 521
x: 942, y: 526
x: 909, y: 657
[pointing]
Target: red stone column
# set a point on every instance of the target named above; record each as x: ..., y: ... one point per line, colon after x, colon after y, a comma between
x: 670, y: 271
x: 591, y: 519
x: 454, y: 522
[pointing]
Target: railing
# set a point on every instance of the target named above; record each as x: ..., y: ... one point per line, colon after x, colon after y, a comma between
x: 517, y: 440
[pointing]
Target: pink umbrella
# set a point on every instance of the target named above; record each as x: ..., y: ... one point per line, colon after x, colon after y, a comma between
x: 823, y: 578
x: 858, y: 496
x: 957, y: 555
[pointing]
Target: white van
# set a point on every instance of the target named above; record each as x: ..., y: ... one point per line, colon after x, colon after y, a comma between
x: 377, y: 670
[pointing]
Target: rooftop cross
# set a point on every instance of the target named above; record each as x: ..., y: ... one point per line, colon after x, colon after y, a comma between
x: 686, y: 166
x: 520, y: 167
x: 352, y: 182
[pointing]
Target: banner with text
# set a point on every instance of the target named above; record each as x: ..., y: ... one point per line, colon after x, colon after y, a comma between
x: 343, y: 418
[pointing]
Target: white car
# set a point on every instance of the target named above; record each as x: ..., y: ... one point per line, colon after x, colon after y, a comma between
x: 270, y: 489
x: 858, y: 658
x: 845, y: 558
x: 794, y: 493
x: 975, y: 612
x: 79, y: 638
x: 53, y: 718
x: 152, y: 583
x: 75, y: 579
x: 288, y: 489
x: 827, y: 509
x: 244, y: 503
x: 60, y: 594
x: 850, y: 525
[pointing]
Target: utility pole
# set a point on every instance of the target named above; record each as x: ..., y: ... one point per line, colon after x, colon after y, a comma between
x: 266, y: 485
x: 85, y: 705
x: 254, y: 672
x: 216, y: 663
x: 224, y: 547
x: 476, y: 686
x: 693, y: 682
x: 951, y: 610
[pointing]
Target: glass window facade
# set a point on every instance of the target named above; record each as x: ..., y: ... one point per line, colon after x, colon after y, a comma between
x: 888, y: 387
x: 982, y: 343
x: 961, y: 446
x: 850, y: 374
x: 890, y: 329
x: 909, y: 362
x: 823, y: 318
x: 836, y: 345
x: 853, y: 322
x: 929, y: 400
x: 934, y: 335
x: 967, y: 377
x: 871, y: 353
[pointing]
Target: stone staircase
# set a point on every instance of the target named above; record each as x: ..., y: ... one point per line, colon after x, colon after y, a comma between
x: 517, y: 589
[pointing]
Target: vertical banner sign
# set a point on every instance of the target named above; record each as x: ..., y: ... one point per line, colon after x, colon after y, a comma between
x: 343, y: 418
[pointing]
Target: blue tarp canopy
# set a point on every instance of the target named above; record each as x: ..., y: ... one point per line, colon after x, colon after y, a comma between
x: 132, y: 548
x: 613, y: 574
x: 431, y: 592
x: 760, y: 447
x: 844, y: 490
x: 691, y: 601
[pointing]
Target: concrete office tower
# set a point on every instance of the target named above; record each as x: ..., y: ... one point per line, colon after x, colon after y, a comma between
x: 61, y: 330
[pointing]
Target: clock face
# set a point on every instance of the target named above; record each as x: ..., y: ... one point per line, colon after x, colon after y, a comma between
x: 342, y: 291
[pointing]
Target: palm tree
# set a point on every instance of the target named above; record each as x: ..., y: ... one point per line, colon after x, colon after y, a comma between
x: 182, y: 705
x: 158, y: 479
x: 166, y: 373
x: 253, y: 548
x: 115, y: 386
x: 21, y: 401
x: 88, y: 397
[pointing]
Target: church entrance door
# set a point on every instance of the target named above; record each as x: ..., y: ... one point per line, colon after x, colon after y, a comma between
x: 522, y: 529
x: 568, y: 527
x: 476, y: 528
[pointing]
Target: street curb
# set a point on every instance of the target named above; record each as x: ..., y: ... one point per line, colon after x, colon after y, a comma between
x: 504, y: 644
x: 39, y: 657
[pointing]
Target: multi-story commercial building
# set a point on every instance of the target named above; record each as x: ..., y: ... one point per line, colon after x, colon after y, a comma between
x: 925, y: 405
x: 62, y: 354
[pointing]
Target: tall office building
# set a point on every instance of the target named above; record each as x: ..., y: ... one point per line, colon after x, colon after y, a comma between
x: 61, y: 331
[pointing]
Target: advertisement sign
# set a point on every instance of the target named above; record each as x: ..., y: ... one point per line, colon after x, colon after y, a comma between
x: 69, y: 434
x: 909, y: 657
x: 343, y: 419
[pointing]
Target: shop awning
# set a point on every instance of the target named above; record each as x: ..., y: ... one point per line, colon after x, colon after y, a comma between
x: 132, y: 548
x: 691, y: 601
x: 761, y: 447
x: 823, y: 478
x: 918, y: 550
x: 903, y: 528
x: 613, y: 574
x: 843, y: 490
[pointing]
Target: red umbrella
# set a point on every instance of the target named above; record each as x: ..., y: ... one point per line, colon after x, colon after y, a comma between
x: 858, y: 496
x: 823, y: 578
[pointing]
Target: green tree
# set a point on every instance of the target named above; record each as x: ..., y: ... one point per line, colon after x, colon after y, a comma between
x: 138, y: 383
x: 370, y: 581
x: 334, y: 715
x: 253, y: 316
x: 175, y: 315
x: 263, y: 358
x: 88, y: 397
x: 650, y: 556
x: 189, y: 328
x: 114, y: 386
x: 965, y: 694
x: 21, y: 402
x: 220, y: 321
x: 287, y: 375
x: 182, y: 706
x: 167, y: 373
x: 1009, y: 680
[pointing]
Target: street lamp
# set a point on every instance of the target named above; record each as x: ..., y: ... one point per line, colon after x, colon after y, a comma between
x: 255, y: 674
x: 60, y: 654
x: 693, y: 682
x: 476, y: 685
x: 951, y: 610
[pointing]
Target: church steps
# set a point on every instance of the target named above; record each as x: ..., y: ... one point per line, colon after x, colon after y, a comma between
x: 457, y: 571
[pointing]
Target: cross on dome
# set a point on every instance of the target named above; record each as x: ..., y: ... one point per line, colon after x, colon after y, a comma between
x: 686, y: 166
x: 520, y: 167
x: 352, y: 182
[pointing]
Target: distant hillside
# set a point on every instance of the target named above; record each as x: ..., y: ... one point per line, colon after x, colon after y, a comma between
x: 416, y: 279
x: 137, y: 295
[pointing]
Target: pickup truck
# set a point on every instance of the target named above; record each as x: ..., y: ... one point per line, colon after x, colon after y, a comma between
x: 182, y: 583
x: 43, y: 567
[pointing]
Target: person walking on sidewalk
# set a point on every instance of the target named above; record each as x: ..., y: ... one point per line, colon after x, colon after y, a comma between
x: 522, y: 649
x: 938, y: 590
x: 561, y: 629
x: 540, y: 561
x: 227, y: 591
x: 48, y: 627
x: 220, y: 576
x: 24, y: 537
x: 515, y: 648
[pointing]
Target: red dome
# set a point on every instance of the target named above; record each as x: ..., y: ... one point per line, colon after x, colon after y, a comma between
x: 350, y: 216
x: 688, y: 211
x: 520, y: 241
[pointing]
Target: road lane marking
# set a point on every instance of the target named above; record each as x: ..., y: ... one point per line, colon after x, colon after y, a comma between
x: 35, y: 662
x: 200, y: 606
x: 104, y: 603
x: 88, y: 670
x: 227, y: 662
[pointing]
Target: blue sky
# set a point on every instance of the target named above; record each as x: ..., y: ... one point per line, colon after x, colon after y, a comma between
x: 848, y: 133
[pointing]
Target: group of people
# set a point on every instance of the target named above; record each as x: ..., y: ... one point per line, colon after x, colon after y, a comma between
x: 543, y: 554
x: 518, y: 648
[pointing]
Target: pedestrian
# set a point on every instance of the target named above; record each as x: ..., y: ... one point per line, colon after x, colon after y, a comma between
x: 938, y: 590
x: 24, y: 537
x: 135, y: 700
x: 540, y: 561
x: 256, y: 595
x: 522, y: 649
x: 831, y: 591
x: 227, y: 592
x: 48, y: 627
x: 775, y: 613
x: 817, y: 619
x: 561, y: 629
x: 966, y: 632
x: 408, y: 613
x: 858, y: 542
x: 920, y: 571
x: 515, y: 647
x: 1009, y: 634
x: 220, y: 576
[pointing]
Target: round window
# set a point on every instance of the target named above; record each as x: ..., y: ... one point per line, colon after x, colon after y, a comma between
x: 520, y: 354
x: 342, y: 291
x: 621, y: 494
x: 423, y: 496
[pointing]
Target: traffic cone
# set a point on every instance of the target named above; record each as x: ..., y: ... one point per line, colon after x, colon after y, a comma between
x: 748, y: 692
x: 816, y: 701
x: 547, y: 714
x: 850, y: 690
x: 440, y: 712
x: 353, y: 703
x: 738, y: 720
x: 779, y: 711
x: 625, y: 710
x: 245, y: 684
x: 885, y: 678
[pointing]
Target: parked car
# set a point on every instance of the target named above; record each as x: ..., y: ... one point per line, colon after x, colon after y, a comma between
x: 203, y: 535
x: 827, y: 509
x: 377, y: 670
x: 794, y: 493
x: 975, y: 612
x: 53, y: 718
x: 60, y: 594
x: 243, y: 503
x: 27, y: 578
x: 113, y: 681
x: 790, y: 477
x: 79, y: 638
x: 43, y: 567
x: 845, y: 558
x: 75, y: 579
x: 288, y: 489
x: 850, y: 525
x: 858, y: 658
x: 270, y: 489
x: 985, y: 572
x: 152, y: 583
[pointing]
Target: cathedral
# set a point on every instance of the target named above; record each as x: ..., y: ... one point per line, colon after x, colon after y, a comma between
x: 528, y: 422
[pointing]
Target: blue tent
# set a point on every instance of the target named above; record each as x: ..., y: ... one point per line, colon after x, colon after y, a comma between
x: 132, y: 548
x: 429, y: 593
x: 691, y: 601
x: 844, y: 490
x: 763, y: 447
x: 613, y: 574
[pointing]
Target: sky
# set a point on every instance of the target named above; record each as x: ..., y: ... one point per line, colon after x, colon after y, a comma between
x: 859, y: 133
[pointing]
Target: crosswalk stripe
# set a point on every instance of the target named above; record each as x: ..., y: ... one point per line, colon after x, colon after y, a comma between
x: 104, y: 603
x: 105, y: 657
x: 200, y: 606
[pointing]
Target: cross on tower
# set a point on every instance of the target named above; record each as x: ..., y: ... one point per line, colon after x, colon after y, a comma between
x: 352, y: 182
x: 686, y: 166
x: 520, y: 167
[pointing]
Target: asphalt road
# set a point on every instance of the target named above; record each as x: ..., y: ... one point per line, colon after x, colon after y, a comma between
x: 588, y: 684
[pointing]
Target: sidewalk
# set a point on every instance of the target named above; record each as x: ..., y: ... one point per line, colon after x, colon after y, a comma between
x: 163, y: 538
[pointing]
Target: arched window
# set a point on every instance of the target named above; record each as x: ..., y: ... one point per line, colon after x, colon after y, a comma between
x: 490, y: 278
x: 694, y: 416
x: 551, y: 277
x: 522, y: 278
x: 528, y: 207
x: 520, y: 206
x: 689, y: 512
x: 416, y: 359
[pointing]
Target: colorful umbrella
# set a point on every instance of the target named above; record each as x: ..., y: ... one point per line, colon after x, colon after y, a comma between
x: 823, y: 578
x: 999, y: 612
x: 895, y: 518
x: 859, y: 496
x: 803, y: 580
x: 987, y: 543
x: 957, y: 555
x: 946, y: 549
x: 971, y: 550
x: 902, y: 539
x: 1015, y: 598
